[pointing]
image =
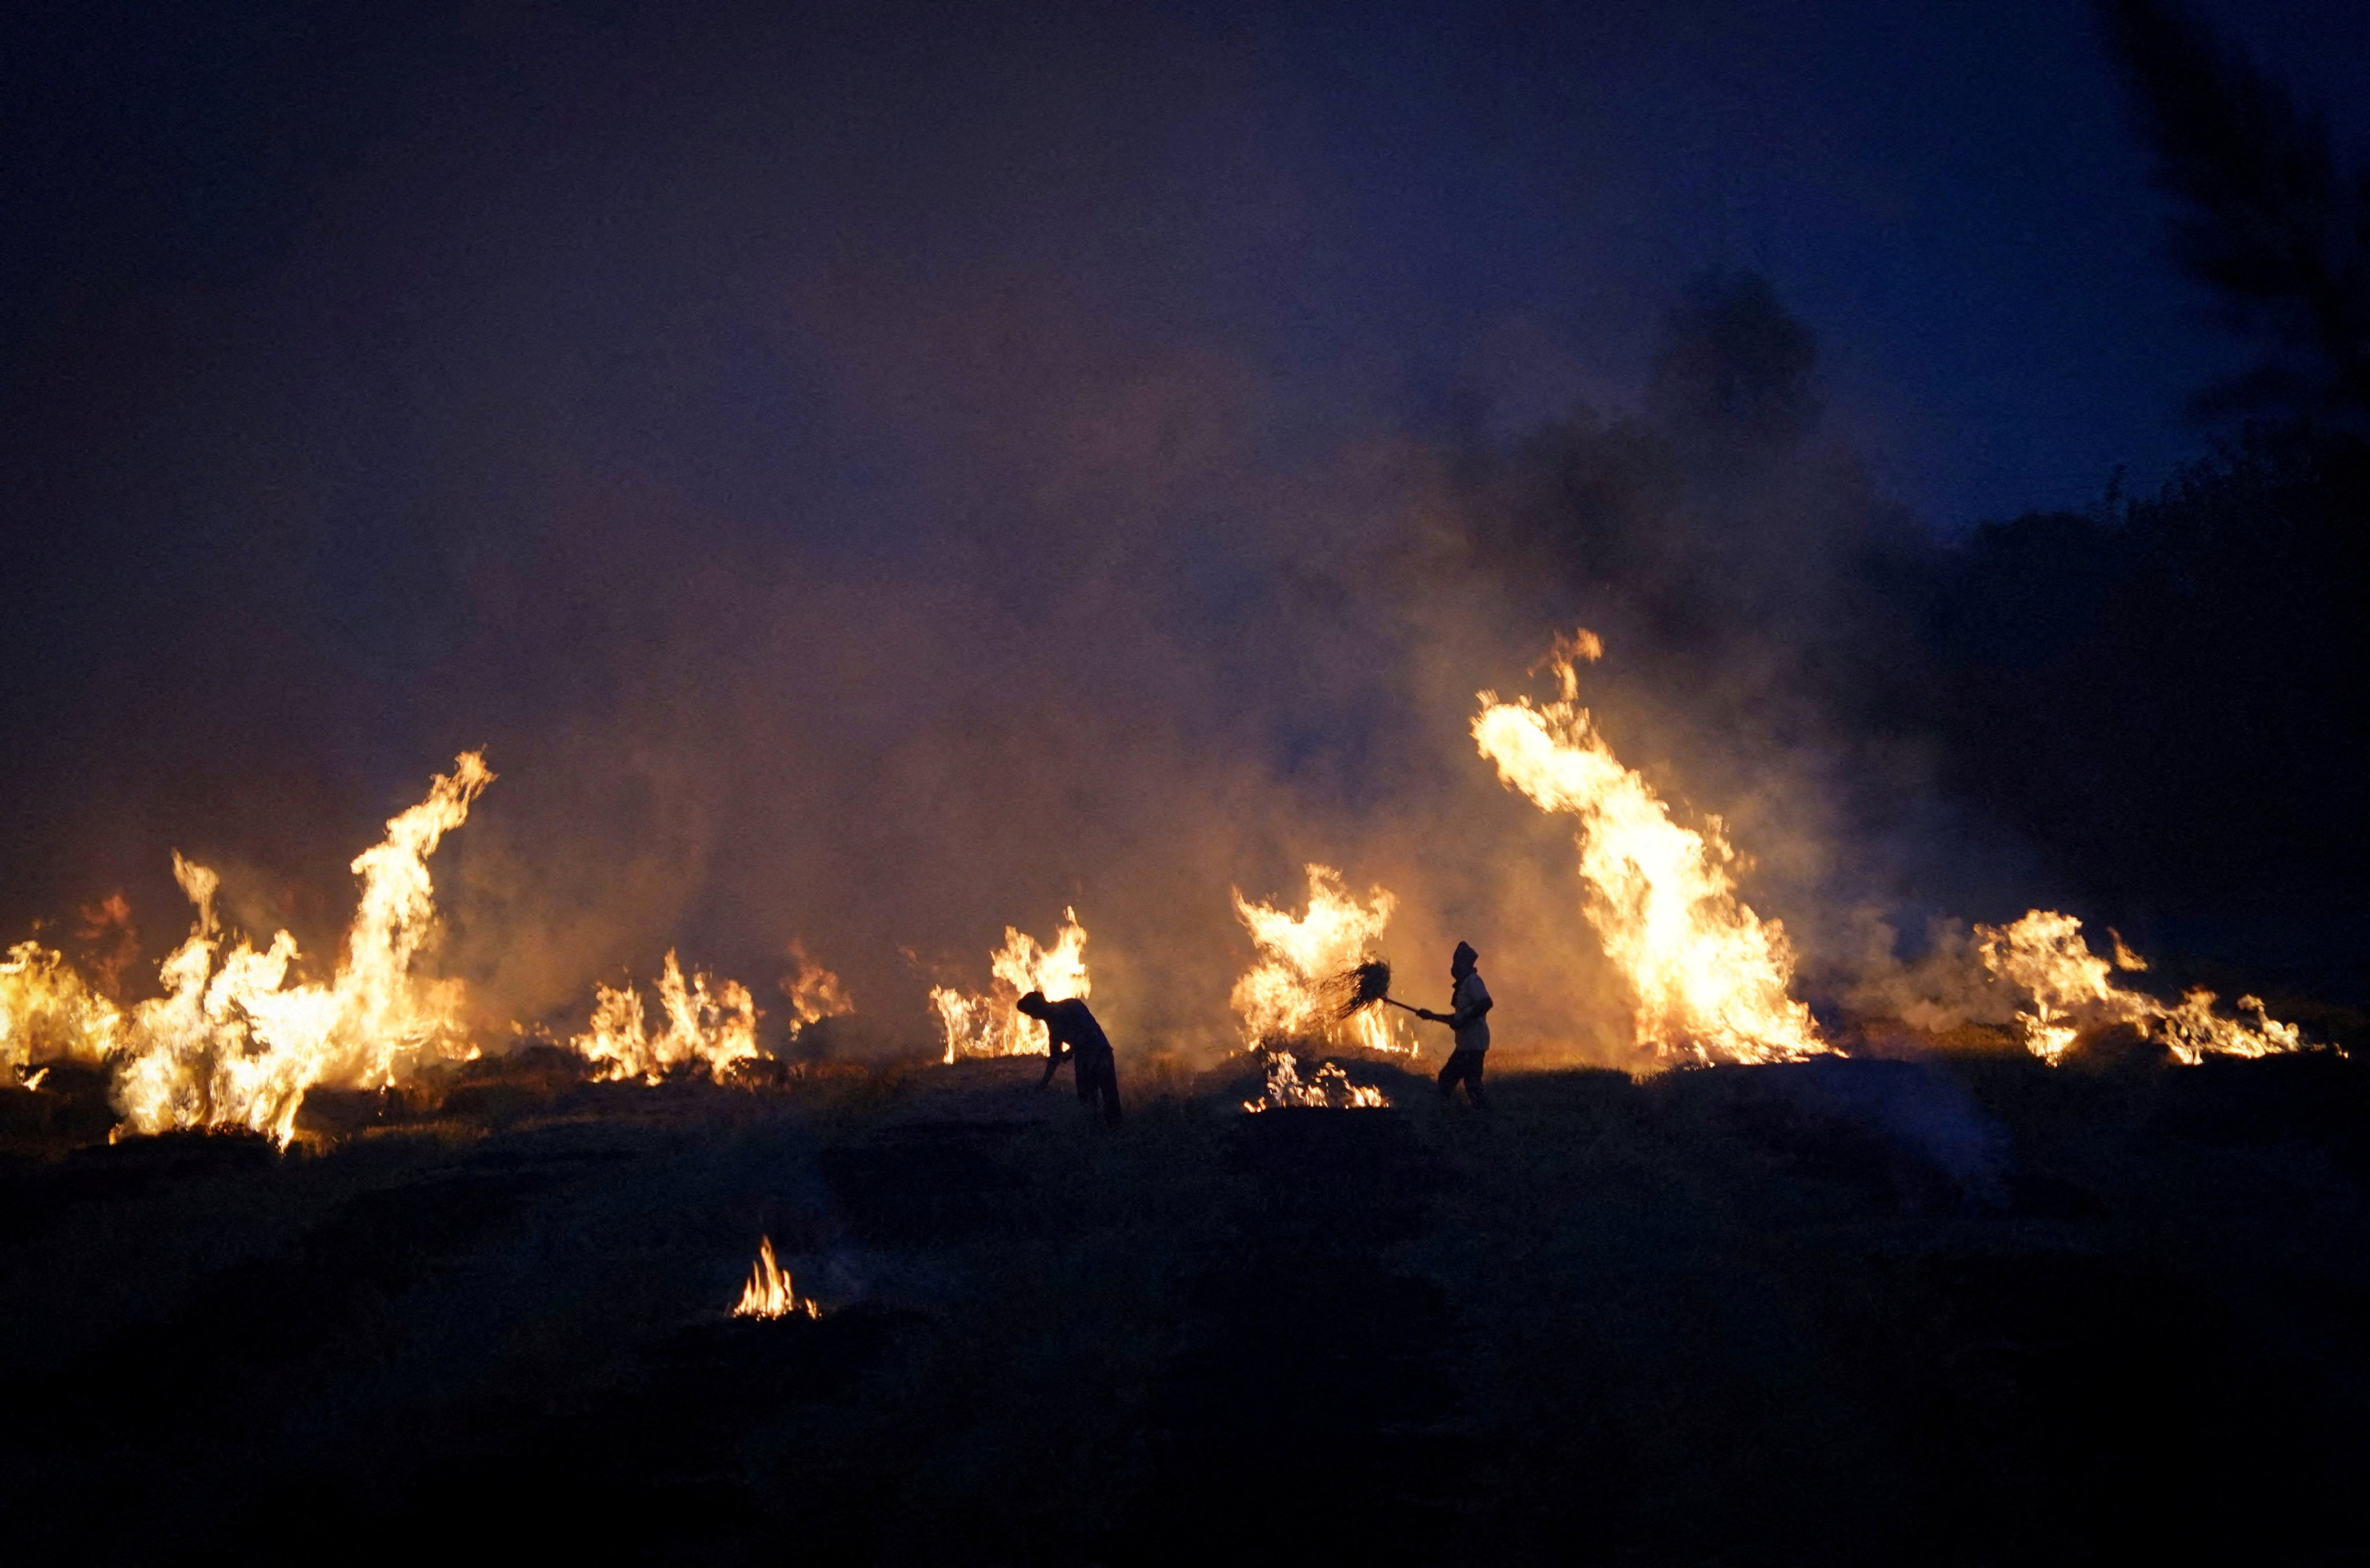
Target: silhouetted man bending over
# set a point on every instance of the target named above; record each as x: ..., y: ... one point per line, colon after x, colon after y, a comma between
x: 1074, y: 1033
x: 1468, y: 1016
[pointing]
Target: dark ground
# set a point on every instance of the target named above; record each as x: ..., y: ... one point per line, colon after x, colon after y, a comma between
x: 1870, y: 1311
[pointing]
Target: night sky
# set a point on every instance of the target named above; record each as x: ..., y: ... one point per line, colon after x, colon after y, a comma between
x: 1383, y: 207
x: 881, y: 484
x: 377, y: 387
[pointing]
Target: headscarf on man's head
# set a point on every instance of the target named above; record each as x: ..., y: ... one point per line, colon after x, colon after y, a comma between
x: 1463, y: 957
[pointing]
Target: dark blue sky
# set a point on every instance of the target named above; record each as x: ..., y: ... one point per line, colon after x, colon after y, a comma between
x: 1379, y: 206
x: 743, y: 420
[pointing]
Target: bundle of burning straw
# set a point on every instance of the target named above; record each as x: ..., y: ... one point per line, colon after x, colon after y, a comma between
x: 1354, y: 990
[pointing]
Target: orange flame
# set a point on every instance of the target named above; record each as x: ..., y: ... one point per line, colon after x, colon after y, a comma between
x: 232, y: 1044
x: 987, y: 1023
x: 47, y: 1014
x: 1328, y: 1087
x: 1710, y: 975
x: 768, y: 1292
x: 711, y: 1024
x: 1283, y: 995
x: 814, y: 992
x: 2072, y: 989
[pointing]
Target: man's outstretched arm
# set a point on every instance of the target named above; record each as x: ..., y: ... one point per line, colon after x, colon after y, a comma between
x: 1461, y: 1017
x: 1053, y: 1058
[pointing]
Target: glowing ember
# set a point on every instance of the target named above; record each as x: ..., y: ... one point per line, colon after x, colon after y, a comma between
x: 1288, y: 993
x: 230, y: 1044
x: 1328, y: 1088
x: 768, y: 1292
x: 814, y: 992
x: 2071, y: 989
x: 987, y: 1023
x: 1710, y: 975
x: 710, y: 1026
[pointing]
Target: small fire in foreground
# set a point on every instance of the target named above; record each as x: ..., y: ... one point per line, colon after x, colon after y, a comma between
x: 2072, y: 990
x: 1328, y: 1088
x: 768, y: 1292
x: 1287, y: 994
x: 1711, y: 977
x: 987, y: 1023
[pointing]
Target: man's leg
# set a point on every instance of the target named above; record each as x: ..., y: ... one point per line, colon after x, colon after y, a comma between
x: 1109, y: 1079
x: 1473, y: 1076
x: 1450, y: 1071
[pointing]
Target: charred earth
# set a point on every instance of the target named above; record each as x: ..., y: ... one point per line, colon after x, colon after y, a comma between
x: 1971, y: 1309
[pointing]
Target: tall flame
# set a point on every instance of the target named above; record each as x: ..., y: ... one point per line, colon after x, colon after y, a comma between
x: 1710, y: 975
x: 2072, y: 989
x: 231, y: 1044
x: 986, y: 1023
x: 710, y: 1025
x: 1283, y: 996
x: 768, y: 1293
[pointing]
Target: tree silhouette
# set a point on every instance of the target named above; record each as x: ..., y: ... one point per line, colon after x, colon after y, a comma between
x: 2272, y: 218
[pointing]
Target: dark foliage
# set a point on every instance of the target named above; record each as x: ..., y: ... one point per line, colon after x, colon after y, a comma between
x: 2169, y: 698
x: 2161, y: 697
x: 2165, y: 693
x: 2273, y: 218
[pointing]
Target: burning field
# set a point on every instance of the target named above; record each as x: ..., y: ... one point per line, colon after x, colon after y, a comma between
x: 1033, y: 785
x: 1993, y: 1246
x: 226, y: 1038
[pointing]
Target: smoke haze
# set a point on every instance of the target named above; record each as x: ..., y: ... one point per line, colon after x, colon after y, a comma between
x: 868, y: 485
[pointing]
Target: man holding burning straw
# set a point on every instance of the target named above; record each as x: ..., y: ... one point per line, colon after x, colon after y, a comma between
x: 1468, y: 1018
x: 1071, y: 1030
x: 1369, y: 985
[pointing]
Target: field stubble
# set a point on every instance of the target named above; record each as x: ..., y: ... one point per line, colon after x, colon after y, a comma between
x: 1959, y: 1310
